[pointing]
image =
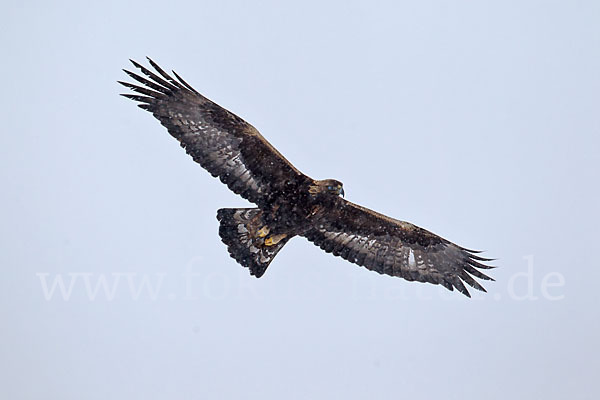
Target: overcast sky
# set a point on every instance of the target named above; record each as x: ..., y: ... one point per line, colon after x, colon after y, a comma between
x: 476, y: 120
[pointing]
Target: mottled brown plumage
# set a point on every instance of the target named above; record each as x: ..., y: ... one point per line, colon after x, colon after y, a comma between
x: 290, y: 203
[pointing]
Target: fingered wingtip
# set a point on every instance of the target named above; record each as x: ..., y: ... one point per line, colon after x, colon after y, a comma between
x: 154, y: 65
x: 151, y: 61
x: 478, y: 258
x: 135, y: 63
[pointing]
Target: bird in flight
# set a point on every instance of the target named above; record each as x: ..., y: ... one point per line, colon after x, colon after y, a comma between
x: 288, y: 202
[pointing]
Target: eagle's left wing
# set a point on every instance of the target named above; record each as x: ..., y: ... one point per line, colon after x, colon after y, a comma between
x: 396, y: 248
x: 220, y: 141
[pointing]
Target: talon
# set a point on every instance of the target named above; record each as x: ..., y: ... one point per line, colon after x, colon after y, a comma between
x: 273, y: 240
x: 262, y: 232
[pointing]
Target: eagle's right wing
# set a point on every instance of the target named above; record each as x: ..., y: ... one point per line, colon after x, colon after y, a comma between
x: 397, y: 248
x: 220, y: 141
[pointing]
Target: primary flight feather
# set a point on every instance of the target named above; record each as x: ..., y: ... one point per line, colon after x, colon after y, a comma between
x: 290, y: 203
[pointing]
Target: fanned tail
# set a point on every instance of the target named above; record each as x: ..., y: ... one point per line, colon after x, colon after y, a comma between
x: 239, y: 231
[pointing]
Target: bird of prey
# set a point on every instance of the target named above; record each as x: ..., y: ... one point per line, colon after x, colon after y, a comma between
x: 288, y: 202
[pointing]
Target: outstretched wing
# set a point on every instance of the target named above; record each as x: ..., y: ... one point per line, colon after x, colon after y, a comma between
x: 220, y: 141
x: 395, y: 248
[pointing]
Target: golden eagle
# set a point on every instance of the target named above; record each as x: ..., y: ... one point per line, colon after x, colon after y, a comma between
x: 290, y: 203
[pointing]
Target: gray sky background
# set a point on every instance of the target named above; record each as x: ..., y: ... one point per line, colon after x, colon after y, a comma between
x: 476, y: 120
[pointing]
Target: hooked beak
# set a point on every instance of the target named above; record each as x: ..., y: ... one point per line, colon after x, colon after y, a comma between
x: 342, y: 191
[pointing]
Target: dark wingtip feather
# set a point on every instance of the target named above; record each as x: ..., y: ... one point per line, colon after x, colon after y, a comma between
x: 480, y: 288
x: 461, y: 287
x: 136, y: 64
x: 187, y: 85
x: 169, y: 83
x: 131, y: 74
x: 159, y: 69
x: 479, y: 265
x: 465, y: 291
x: 479, y: 258
x: 148, y: 83
x: 470, y: 250
x: 135, y: 97
x: 143, y: 90
x: 471, y: 282
x: 129, y: 85
x: 476, y: 273
x: 162, y: 73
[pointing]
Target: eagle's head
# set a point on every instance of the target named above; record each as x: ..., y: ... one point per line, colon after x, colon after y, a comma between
x: 328, y: 187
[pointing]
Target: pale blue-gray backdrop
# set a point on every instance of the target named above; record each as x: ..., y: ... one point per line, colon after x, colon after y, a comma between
x: 477, y: 120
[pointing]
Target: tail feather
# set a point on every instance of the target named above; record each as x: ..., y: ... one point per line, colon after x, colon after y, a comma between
x: 238, y: 231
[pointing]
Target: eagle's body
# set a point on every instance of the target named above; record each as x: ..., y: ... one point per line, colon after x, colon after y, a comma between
x: 289, y: 203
